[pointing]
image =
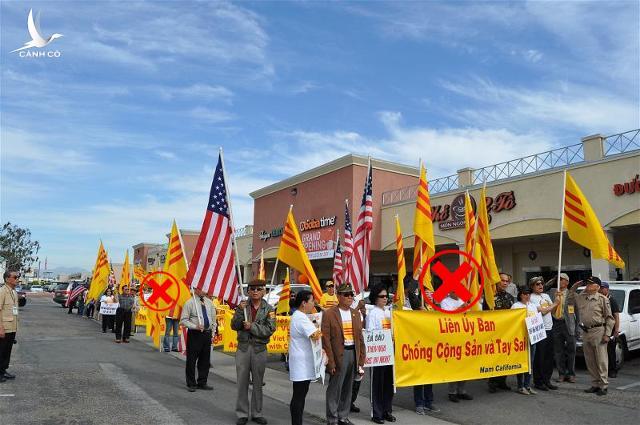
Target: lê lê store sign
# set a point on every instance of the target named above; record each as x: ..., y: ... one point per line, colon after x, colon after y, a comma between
x: 451, y: 216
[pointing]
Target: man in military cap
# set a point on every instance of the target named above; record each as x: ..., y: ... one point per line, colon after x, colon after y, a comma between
x: 255, y: 322
x: 343, y: 342
x: 597, y: 322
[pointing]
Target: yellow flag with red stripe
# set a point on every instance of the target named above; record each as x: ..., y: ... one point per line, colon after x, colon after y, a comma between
x: 262, y: 274
x: 398, y: 297
x: 139, y: 273
x: 471, y: 248
x: 176, y: 265
x: 283, y: 307
x: 293, y: 254
x: 125, y: 277
x: 488, y: 268
x: 583, y: 226
x: 424, y: 246
x: 100, y: 277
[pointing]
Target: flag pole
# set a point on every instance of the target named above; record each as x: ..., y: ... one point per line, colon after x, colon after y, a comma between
x: 475, y: 236
x: 564, y: 194
x: 233, y: 232
x: 345, y: 265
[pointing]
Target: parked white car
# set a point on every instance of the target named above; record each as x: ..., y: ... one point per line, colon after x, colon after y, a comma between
x: 36, y: 288
x: 627, y: 295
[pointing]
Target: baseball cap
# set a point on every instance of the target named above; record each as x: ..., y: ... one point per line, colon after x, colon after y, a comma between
x: 604, y: 285
x: 564, y: 276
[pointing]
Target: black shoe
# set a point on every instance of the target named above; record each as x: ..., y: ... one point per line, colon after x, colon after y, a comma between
x: 2, y: 378
x: 602, y: 391
x: 464, y: 396
x: 205, y: 387
x: 377, y: 420
x: 389, y: 417
x: 242, y: 421
x: 175, y: 350
x: 506, y: 387
x: 592, y: 390
x: 551, y: 386
x: 259, y: 420
x: 454, y: 398
x: 354, y: 408
x: 541, y: 387
x: 191, y: 389
x: 613, y: 374
x: 345, y: 422
x: 8, y: 375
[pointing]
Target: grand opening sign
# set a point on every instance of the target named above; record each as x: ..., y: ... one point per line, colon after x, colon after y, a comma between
x: 434, y: 347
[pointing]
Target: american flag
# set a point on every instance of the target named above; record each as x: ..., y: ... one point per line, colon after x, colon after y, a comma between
x: 362, y: 240
x: 337, y: 265
x: 347, y: 250
x: 74, y: 294
x: 212, y: 267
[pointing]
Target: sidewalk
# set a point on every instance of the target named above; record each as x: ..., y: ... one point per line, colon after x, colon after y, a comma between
x: 278, y: 387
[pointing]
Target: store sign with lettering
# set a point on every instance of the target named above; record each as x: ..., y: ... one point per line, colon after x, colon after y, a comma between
x: 627, y: 188
x: 313, y: 223
x: 319, y: 243
x: 451, y: 216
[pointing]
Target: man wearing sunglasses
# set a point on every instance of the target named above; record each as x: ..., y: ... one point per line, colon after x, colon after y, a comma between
x: 343, y: 342
x: 8, y: 321
x: 255, y: 322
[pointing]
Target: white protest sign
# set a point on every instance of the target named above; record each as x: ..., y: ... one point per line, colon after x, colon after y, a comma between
x: 379, y: 346
x: 535, y: 326
x: 108, y: 309
x: 318, y: 358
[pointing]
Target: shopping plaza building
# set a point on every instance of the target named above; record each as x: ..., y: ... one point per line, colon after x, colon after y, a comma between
x: 524, y: 203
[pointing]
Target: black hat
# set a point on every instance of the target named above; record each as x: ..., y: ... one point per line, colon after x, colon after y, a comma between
x: 344, y: 288
x: 257, y: 282
x: 593, y: 279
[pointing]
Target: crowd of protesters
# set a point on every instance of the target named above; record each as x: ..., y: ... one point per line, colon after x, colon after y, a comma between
x: 341, y: 336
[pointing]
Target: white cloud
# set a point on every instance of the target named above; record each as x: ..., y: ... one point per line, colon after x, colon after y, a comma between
x: 200, y: 92
x: 532, y: 55
x: 166, y: 154
x: 213, y: 116
x: 562, y: 105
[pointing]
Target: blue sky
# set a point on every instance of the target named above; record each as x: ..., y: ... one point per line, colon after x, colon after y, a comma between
x: 119, y: 135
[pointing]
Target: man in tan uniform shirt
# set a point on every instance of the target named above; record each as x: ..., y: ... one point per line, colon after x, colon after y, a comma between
x: 8, y: 321
x: 597, y: 322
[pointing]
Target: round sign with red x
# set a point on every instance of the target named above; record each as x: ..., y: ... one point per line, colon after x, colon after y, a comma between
x: 456, y: 281
x: 160, y: 283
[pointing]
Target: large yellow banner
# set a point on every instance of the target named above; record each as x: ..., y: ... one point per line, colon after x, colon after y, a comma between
x: 433, y: 347
x: 279, y: 342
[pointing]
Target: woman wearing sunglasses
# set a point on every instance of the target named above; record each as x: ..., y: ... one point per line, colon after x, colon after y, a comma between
x: 381, y: 376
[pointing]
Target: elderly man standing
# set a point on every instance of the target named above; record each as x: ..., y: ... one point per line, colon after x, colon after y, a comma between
x: 255, y: 322
x: 199, y: 317
x: 343, y: 342
x: 503, y: 301
x: 597, y: 322
x: 8, y: 321
x: 564, y: 332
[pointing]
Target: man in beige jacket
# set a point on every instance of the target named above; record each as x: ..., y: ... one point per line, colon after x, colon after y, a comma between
x: 8, y: 321
x: 199, y: 317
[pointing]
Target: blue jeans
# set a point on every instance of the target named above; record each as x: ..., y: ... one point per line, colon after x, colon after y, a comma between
x: 423, y: 395
x: 172, y: 324
x: 524, y: 379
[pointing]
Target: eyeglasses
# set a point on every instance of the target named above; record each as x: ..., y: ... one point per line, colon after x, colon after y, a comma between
x: 256, y: 288
x: 383, y: 296
x: 15, y: 277
x: 348, y: 294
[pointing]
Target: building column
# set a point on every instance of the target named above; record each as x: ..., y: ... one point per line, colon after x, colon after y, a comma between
x: 593, y: 147
x: 465, y: 177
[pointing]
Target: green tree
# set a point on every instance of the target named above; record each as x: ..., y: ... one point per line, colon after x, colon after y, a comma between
x: 16, y: 247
